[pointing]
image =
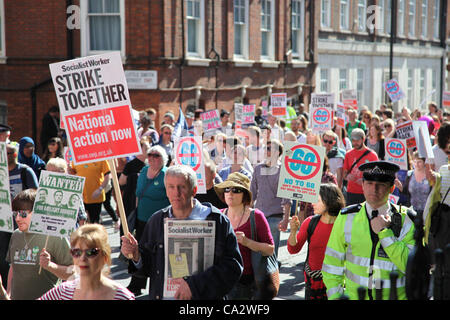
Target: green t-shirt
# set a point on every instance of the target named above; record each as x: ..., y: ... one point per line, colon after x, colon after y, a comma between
x: 23, y: 256
x: 358, y: 124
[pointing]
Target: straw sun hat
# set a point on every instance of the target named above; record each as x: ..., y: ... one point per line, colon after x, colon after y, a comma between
x: 235, y: 179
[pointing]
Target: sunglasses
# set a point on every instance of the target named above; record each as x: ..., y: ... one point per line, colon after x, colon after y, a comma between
x: 328, y: 141
x: 90, y: 253
x: 154, y: 155
x: 234, y: 190
x: 21, y: 213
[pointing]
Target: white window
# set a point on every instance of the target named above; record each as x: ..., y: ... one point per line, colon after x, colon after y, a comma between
x: 412, y: 18
x: 387, y: 17
x: 362, y: 5
x: 325, y: 13
x: 382, y: 11
x: 401, y: 18
x: 424, y: 18
x: 102, y: 26
x: 360, y: 85
x: 342, y: 79
x: 267, y: 29
x: 436, y: 19
x: 241, y: 29
x: 2, y: 30
x: 195, y: 28
x: 297, y: 29
x: 344, y: 14
x: 410, y: 87
x: 323, y: 80
x: 422, y: 84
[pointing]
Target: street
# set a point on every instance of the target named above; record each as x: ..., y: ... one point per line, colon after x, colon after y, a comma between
x: 291, y: 275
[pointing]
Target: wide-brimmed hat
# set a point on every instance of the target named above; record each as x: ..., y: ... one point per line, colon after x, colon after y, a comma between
x: 235, y: 179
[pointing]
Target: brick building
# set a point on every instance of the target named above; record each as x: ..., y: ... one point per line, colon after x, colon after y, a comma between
x: 209, y: 53
x: 356, y: 36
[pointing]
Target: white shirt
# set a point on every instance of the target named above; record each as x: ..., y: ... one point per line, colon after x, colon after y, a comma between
x: 383, y: 210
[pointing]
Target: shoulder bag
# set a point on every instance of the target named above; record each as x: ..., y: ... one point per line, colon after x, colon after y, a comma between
x: 265, y: 268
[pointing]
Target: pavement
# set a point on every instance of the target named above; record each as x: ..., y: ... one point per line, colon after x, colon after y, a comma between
x: 292, y: 284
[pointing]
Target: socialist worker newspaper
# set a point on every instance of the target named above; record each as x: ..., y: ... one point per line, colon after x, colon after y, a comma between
x: 188, y: 249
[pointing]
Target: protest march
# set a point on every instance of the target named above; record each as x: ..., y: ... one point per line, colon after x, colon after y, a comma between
x: 201, y: 196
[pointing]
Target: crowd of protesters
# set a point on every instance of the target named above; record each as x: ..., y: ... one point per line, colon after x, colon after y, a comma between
x: 242, y: 169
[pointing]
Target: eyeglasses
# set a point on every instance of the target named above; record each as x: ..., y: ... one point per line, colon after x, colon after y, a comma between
x: 328, y: 141
x: 90, y: 253
x: 269, y: 149
x: 166, y: 132
x: 21, y: 213
x: 154, y: 155
x: 234, y: 190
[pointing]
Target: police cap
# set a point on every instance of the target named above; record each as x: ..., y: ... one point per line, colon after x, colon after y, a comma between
x: 382, y: 171
x: 4, y: 128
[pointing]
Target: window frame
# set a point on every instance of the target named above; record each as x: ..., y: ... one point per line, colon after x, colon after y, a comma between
x: 327, y: 12
x: 300, y: 54
x: 200, y: 34
x: 424, y: 19
x: 346, y: 15
x: 436, y: 19
x: 341, y: 79
x: 401, y: 13
x: 412, y: 30
x: 362, y: 27
x: 245, y: 36
x: 2, y: 32
x: 84, y: 31
x: 271, y: 32
x: 323, y: 80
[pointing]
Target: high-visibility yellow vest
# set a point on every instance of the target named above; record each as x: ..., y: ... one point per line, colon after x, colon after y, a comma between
x: 352, y: 261
x: 290, y: 114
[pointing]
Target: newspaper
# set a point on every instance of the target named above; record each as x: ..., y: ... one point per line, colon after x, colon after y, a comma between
x: 188, y: 249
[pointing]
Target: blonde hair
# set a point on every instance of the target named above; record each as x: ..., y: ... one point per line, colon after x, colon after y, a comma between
x: 93, y: 235
x: 59, y: 163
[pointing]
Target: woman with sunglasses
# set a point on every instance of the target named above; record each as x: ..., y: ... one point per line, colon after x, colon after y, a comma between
x: 91, y: 252
x: 235, y: 192
x: 165, y: 141
x: 151, y: 197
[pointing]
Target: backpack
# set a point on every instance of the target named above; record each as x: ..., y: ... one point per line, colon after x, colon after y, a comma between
x: 315, y: 274
x: 440, y: 225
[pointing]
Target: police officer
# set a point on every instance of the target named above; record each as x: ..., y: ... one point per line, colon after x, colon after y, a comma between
x: 370, y: 240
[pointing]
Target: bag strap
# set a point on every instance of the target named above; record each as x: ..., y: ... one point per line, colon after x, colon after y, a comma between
x: 253, y: 224
x: 311, y: 227
x: 356, y: 162
x: 443, y: 200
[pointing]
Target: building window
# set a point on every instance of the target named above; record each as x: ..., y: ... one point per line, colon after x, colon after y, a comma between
x: 267, y: 29
x: 362, y: 15
x: 412, y: 18
x: 410, y: 87
x: 381, y: 8
x: 323, y: 80
x: 325, y: 14
x: 3, y: 112
x: 401, y: 18
x: 195, y: 33
x: 424, y: 18
x: 342, y: 79
x: 103, y: 27
x: 388, y: 18
x: 436, y: 19
x: 297, y: 29
x: 344, y: 14
x: 2, y: 30
x: 360, y: 85
x: 241, y: 28
x: 422, y: 84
